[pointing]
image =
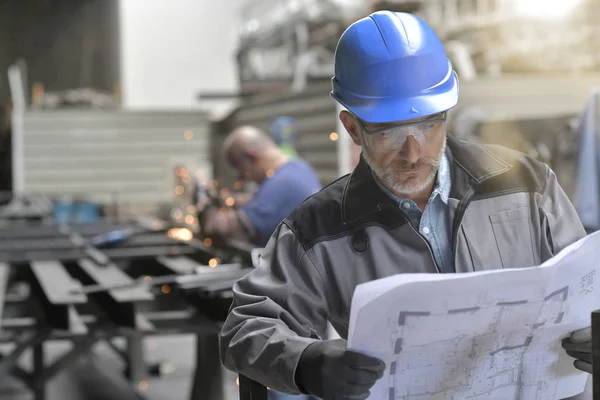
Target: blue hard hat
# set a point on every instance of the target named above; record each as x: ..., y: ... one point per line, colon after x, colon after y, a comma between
x: 391, y: 66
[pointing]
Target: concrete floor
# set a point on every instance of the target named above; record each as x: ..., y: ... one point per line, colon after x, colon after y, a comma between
x: 80, y: 382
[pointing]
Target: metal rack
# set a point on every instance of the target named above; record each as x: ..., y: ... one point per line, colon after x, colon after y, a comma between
x: 86, y: 295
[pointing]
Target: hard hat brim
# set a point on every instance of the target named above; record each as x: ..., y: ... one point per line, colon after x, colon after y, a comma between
x: 435, y: 100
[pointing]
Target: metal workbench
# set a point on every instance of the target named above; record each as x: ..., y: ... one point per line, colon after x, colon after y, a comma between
x: 55, y: 285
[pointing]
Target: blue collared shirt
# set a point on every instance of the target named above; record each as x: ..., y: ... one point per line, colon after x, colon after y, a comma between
x: 433, y: 223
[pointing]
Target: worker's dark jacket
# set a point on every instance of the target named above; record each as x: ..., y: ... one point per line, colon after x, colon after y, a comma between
x: 508, y: 212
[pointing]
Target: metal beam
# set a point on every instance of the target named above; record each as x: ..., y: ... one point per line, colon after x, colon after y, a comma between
x: 56, y: 283
x: 4, y: 272
x: 78, y: 327
x: 136, y: 365
x: 113, y: 275
x: 208, y: 379
x: 20, y: 373
x: 38, y: 231
x: 56, y: 291
x: 28, y: 244
x: 223, y: 275
x: 163, y: 322
x: 31, y: 339
x: 178, y: 265
x: 80, y: 347
x: 73, y: 255
x: 16, y: 232
x: 120, y: 305
x: 38, y: 357
x: 149, y: 252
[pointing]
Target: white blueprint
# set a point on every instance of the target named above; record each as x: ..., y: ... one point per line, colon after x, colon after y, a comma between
x: 482, y: 335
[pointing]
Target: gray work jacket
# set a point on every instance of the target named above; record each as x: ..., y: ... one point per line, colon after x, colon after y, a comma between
x: 508, y: 211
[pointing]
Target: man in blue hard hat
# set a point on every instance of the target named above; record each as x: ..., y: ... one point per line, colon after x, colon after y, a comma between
x: 419, y: 201
x: 283, y: 132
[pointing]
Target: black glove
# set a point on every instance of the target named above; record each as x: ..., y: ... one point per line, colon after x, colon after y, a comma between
x: 579, y: 346
x: 329, y: 371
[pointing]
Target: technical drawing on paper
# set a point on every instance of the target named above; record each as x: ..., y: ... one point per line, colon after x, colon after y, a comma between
x: 498, y: 364
x: 493, y: 335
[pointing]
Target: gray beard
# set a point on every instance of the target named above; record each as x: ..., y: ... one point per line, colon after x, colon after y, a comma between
x: 387, y: 176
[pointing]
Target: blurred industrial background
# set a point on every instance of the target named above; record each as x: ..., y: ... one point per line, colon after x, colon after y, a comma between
x: 111, y: 111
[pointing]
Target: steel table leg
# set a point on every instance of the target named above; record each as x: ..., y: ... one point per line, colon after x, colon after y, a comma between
x: 208, y: 379
x: 596, y: 353
x: 136, y: 365
x: 250, y: 390
x: 8, y: 362
x: 39, y: 390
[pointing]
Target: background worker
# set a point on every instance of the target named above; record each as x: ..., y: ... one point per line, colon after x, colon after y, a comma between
x: 419, y: 201
x: 283, y: 182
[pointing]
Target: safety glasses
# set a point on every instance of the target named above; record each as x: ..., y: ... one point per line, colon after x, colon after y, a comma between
x: 394, y: 137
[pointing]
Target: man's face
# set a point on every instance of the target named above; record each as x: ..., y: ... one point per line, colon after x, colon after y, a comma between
x: 405, y: 156
x: 246, y: 167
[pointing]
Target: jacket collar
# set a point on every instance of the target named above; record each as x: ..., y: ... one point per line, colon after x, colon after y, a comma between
x: 470, y: 165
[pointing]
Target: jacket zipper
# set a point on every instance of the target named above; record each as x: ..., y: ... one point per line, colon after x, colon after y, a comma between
x: 437, y: 267
x: 458, y: 217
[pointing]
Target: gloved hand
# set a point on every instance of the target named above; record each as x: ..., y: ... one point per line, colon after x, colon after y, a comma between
x: 329, y: 371
x: 579, y: 346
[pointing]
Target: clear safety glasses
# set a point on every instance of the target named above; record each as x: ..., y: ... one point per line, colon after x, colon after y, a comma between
x: 393, y: 137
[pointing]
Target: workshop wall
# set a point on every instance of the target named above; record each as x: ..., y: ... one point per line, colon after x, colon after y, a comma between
x: 169, y: 54
x: 107, y: 156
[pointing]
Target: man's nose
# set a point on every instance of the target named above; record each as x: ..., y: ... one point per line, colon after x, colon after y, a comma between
x: 411, y: 150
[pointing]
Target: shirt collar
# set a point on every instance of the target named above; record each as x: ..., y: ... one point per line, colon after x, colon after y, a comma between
x: 444, y: 179
x: 442, y: 187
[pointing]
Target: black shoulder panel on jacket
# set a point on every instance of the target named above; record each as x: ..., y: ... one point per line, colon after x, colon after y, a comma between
x: 320, y: 214
x: 525, y: 175
x: 320, y: 217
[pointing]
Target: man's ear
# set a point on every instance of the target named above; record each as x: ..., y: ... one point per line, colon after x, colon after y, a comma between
x: 349, y: 122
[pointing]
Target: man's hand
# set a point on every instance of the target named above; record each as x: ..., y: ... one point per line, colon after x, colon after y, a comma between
x: 579, y: 346
x: 227, y: 223
x: 241, y: 199
x: 329, y: 371
x: 216, y: 222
